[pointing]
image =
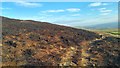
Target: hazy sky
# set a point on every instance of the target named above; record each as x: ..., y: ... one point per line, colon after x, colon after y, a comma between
x: 63, y: 13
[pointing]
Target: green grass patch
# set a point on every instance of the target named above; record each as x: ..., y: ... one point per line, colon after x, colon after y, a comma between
x: 115, y: 33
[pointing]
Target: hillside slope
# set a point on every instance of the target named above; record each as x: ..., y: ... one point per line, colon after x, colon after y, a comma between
x: 27, y: 42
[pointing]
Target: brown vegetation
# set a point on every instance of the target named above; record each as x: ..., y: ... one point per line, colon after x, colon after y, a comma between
x: 27, y: 42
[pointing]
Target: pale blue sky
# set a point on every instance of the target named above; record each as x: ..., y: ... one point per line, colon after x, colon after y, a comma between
x: 63, y: 13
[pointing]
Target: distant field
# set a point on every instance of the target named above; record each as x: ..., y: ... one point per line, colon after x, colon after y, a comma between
x: 115, y: 33
x: 111, y: 32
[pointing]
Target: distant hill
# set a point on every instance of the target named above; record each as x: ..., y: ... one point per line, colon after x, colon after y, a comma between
x: 104, y: 26
x: 34, y: 43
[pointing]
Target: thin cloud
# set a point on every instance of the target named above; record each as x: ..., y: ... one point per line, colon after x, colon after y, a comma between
x: 1, y: 8
x: 97, y: 4
x: 62, y: 10
x: 53, y: 11
x: 102, y: 19
x: 28, y: 4
x: 105, y: 4
x: 104, y: 11
x: 73, y: 9
x: 104, y: 14
x: 90, y: 21
x: 75, y: 15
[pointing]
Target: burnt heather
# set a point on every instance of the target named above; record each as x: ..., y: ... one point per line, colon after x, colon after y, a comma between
x: 33, y: 43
